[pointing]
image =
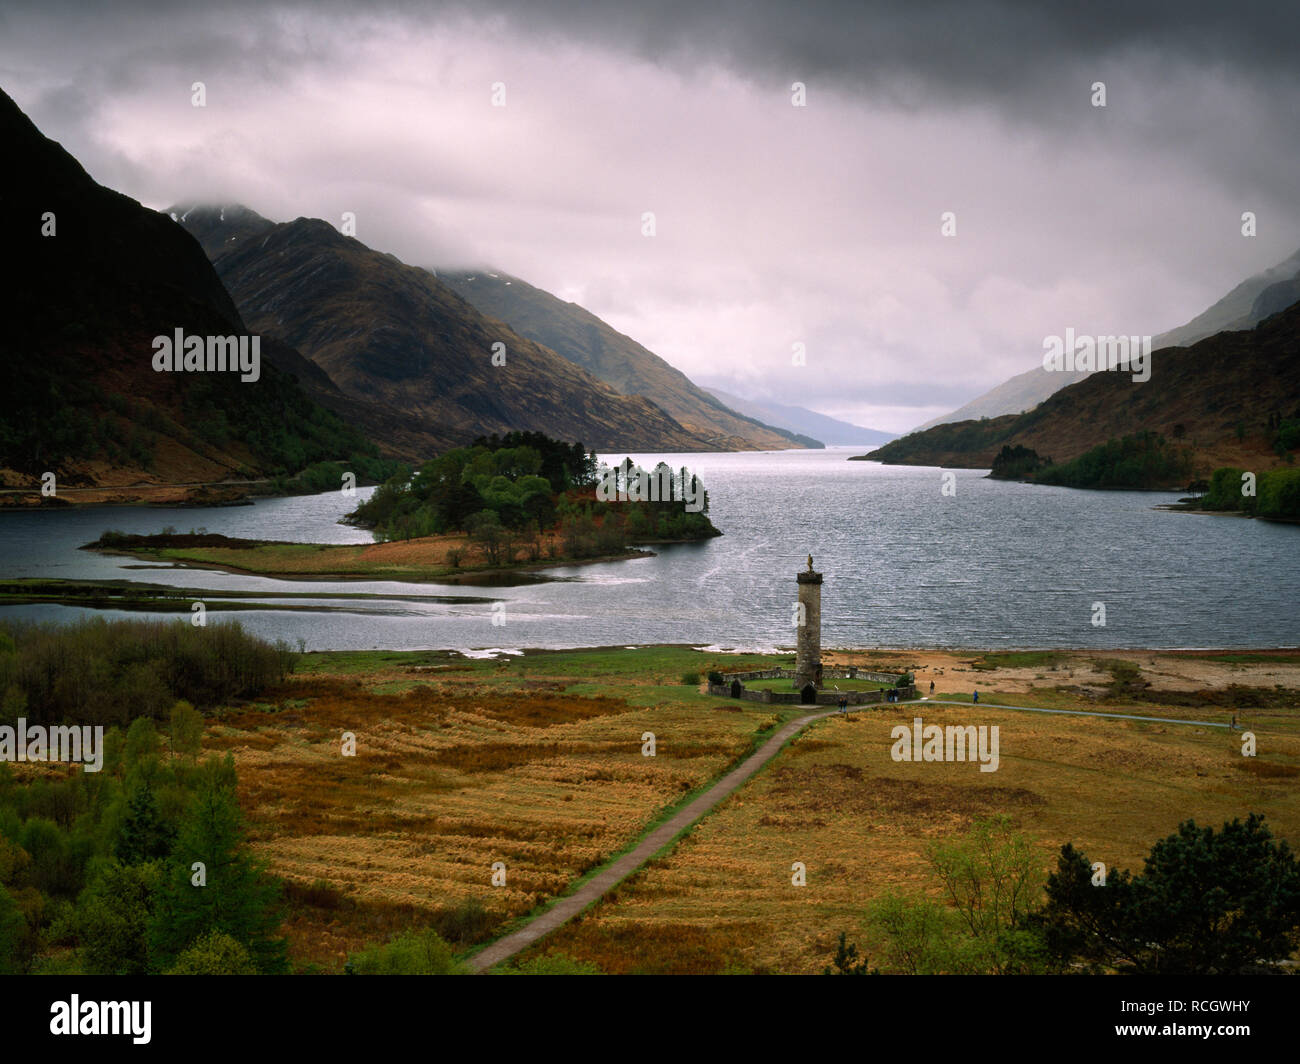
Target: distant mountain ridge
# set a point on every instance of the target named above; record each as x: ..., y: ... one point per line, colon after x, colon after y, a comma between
x: 831, y: 431
x: 1222, y: 397
x: 618, y: 360
x: 1242, y: 308
x: 396, y: 336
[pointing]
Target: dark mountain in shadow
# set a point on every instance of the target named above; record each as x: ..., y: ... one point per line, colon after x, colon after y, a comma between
x: 92, y: 277
x: 395, y: 335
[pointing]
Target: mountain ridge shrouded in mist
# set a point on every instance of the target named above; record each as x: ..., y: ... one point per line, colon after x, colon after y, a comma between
x: 1242, y: 308
x: 831, y: 431
x: 1220, y: 398
x: 617, y: 359
x: 397, y: 336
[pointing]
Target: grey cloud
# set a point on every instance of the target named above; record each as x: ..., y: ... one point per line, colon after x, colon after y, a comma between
x: 1066, y: 210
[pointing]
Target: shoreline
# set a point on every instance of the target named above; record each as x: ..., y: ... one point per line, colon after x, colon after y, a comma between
x: 435, y: 576
x: 1219, y: 681
x: 833, y: 654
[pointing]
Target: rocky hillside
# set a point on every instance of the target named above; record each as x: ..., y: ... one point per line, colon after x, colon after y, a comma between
x: 1222, y: 397
x: 393, y: 334
x: 616, y: 359
x: 91, y: 278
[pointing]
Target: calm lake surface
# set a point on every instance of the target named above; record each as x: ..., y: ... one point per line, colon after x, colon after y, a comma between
x: 996, y: 565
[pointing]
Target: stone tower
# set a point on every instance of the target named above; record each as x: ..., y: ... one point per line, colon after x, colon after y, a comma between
x: 808, y: 659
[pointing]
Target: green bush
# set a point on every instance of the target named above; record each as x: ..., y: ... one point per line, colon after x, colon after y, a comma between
x: 411, y: 953
x: 1207, y: 902
x: 553, y: 964
x: 1224, y: 492
x: 215, y: 953
x: 1279, y: 494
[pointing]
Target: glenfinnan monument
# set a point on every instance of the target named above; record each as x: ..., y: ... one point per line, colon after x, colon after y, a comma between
x: 808, y: 659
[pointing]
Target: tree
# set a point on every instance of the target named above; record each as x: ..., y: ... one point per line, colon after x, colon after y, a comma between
x: 112, y: 919
x: 990, y: 880
x: 488, y: 534
x: 145, y: 835
x: 920, y: 936
x: 993, y: 879
x: 236, y: 896
x: 845, y: 961
x: 141, y: 741
x: 13, y: 928
x: 186, y: 729
x: 1205, y: 903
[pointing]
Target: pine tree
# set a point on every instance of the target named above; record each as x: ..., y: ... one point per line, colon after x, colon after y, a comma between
x: 231, y: 891
x: 145, y: 836
x: 846, y: 961
x: 1207, y: 902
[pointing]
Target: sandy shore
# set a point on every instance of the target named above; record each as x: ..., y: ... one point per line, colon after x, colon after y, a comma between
x: 1165, y: 670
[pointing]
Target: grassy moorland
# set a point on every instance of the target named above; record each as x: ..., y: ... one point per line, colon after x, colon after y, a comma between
x: 536, y: 761
x: 722, y: 900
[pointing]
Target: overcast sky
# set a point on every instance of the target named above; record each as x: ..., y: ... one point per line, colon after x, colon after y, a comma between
x: 775, y: 224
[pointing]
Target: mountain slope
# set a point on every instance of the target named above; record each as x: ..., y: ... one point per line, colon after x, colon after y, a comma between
x: 1239, y: 309
x: 395, y: 335
x: 1221, y: 397
x: 1022, y: 392
x: 93, y: 278
x: 829, y: 430
x: 616, y: 359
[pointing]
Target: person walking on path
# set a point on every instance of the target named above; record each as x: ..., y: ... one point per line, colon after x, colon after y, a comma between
x: 931, y: 687
x: 975, y: 697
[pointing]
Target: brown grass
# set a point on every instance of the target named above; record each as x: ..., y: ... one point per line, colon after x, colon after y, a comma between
x: 478, y: 765
x: 449, y: 777
x: 861, y: 823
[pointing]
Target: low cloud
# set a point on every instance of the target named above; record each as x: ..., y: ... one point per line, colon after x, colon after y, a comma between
x: 775, y: 225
